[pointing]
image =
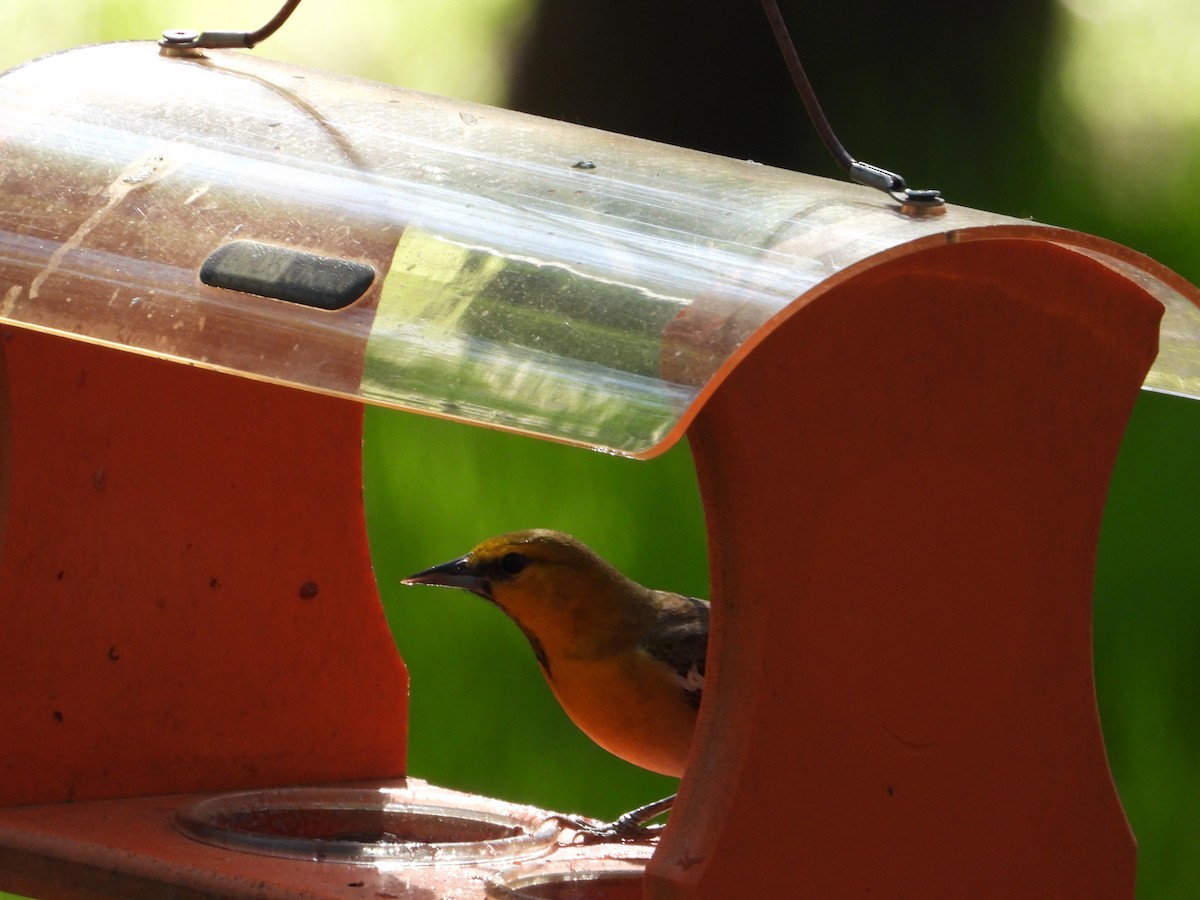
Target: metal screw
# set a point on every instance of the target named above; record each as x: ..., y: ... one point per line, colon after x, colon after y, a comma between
x: 178, y: 36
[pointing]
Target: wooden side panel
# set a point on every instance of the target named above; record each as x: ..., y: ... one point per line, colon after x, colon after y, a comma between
x: 186, y: 596
x: 904, y: 486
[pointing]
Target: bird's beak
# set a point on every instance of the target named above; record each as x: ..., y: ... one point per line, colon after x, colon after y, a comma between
x: 456, y: 573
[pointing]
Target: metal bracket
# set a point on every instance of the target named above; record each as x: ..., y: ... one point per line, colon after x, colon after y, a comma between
x: 185, y: 39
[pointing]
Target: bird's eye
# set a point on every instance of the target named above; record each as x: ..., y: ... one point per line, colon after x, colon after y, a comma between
x: 513, y: 563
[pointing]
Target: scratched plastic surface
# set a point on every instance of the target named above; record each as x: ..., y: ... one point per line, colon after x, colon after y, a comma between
x: 530, y: 275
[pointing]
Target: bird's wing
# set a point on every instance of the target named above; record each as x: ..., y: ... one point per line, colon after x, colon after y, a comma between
x: 679, y: 638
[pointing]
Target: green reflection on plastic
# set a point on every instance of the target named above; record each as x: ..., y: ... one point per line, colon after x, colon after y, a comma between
x: 523, y: 345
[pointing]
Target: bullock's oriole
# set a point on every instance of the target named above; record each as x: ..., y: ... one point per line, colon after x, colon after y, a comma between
x: 626, y: 662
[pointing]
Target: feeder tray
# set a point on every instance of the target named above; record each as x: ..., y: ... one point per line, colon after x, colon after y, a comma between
x: 903, y: 430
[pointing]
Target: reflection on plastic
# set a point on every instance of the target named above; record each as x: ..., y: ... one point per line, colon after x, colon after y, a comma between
x: 516, y: 339
x: 619, y: 874
x: 533, y: 276
x: 572, y: 886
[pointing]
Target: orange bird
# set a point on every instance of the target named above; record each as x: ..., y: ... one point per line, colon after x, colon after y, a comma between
x: 625, y: 661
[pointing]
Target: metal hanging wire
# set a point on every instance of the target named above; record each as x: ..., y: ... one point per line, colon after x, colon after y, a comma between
x: 911, y: 200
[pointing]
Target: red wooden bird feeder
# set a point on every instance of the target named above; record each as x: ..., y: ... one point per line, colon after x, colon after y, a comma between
x: 208, y: 261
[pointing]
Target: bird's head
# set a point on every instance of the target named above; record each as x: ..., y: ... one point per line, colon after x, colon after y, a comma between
x: 560, y: 592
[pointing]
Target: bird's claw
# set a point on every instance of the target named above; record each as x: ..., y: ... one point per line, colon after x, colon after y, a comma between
x: 629, y: 827
x: 622, y: 830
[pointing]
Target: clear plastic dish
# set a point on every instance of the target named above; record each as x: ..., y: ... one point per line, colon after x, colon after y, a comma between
x: 357, y: 825
x: 616, y: 875
x: 622, y: 884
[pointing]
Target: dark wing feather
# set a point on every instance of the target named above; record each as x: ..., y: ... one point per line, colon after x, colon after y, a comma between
x: 679, y: 638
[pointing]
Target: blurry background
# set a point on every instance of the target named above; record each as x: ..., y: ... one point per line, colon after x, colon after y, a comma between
x: 1082, y: 113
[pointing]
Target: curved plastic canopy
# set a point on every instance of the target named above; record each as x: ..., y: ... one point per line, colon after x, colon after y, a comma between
x: 428, y: 254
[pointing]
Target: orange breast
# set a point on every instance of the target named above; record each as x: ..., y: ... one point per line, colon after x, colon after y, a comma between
x: 631, y: 705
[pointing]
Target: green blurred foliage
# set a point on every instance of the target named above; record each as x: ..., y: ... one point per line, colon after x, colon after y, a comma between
x: 1005, y: 100
x: 1147, y: 639
x: 460, y: 48
x: 1121, y: 122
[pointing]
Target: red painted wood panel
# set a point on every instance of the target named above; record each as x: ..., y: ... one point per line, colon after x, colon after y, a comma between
x: 904, y: 486
x: 186, y: 596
